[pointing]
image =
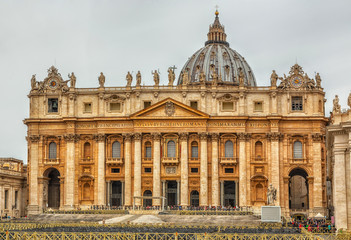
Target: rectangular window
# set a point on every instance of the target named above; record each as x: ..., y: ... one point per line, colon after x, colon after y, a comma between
x: 87, y: 107
x: 258, y: 106
x: 6, y: 199
x: 229, y: 170
x: 16, y: 198
x: 194, y: 170
x: 148, y: 152
x: 194, y: 152
x: 115, y: 107
x: 296, y: 104
x: 147, y: 104
x: 193, y: 104
x: 147, y: 170
x: 52, y: 105
x: 115, y: 170
x: 227, y: 106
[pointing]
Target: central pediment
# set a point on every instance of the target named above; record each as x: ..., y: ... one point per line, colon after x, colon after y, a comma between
x: 169, y: 109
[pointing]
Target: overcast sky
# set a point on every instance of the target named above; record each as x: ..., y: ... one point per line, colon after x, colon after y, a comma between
x: 116, y: 36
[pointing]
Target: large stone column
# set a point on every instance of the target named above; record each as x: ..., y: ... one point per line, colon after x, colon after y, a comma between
x: 157, y: 169
x: 275, y: 181
x: 317, y: 173
x: 215, y: 174
x: 242, y: 169
x: 178, y: 192
x: 222, y: 193
x: 184, y: 170
x: 339, y: 186
x: 137, y: 168
x: 204, y: 171
x: 101, y: 194
x: 236, y: 193
x: 33, y: 142
x: 70, y: 170
x: 127, y: 170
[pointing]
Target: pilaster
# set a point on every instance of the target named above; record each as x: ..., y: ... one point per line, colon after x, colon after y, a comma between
x: 184, y: 170
x: 242, y: 170
x: 215, y: 172
x: 101, y: 194
x: 33, y: 141
x: 204, y: 171
x: 157, y: 169
x: 70, y: 169
x: 137, y: 167
x: 128, y: 170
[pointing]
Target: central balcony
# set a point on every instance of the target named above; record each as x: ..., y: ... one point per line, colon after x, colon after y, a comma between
x: 228, y: 161
x: 52, y: 161
x: 170, y: 161
x: 114, y: 161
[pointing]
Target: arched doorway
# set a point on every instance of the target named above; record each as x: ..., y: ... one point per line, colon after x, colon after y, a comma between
x: 298, y: 190
x: 147, y: 202
x: 53, y: 188
x: 194, y: 198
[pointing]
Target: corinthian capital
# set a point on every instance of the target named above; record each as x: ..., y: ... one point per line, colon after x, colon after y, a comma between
x: 203, y: 136
x: 156, y: 136
x: 214, y: 136
x: 127, y: 137
x: 71, y: 137
x: 99, y: 137
x: 137, y: 136
x: 183, y: 136
x: 33, y: 138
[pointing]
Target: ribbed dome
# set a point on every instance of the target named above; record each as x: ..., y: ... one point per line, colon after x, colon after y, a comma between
x: 216, y: 62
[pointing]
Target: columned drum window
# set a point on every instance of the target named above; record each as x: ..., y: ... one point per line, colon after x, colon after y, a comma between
x: 194, y: 150
x: 228, y: 149
x: 171, y: 149
x: 52, y: 151
x: 298, y: 149
x: 148, y: 149
x: 116, y: 150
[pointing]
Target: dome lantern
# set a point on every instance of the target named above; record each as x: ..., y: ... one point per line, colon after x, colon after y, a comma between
x: 216, y: 33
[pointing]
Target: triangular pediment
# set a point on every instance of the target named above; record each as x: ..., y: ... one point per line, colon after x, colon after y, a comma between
x: 169, y: 109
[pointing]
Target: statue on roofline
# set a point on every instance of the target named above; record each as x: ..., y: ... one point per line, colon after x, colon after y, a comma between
x: 138, y: 79
x: 102, y: 80
x: 73, y: 79
x: 129, y: 79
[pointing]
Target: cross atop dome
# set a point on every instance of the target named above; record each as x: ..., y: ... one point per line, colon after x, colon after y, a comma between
x: 216, y: 33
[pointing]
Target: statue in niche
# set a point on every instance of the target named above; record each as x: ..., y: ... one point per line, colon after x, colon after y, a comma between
x: 185, y: 77
x: 241, y: 77
x: 271, y: 195
x: 33, y: 82
x: 138, y: 79
x: 274, y: 78
x: 318, y: 81
x: 129, y: 79
x: 214, y: 77
x: 102, y: 80
x: 202, y: 77
x: 227, y: 71
x: 336, y: 105
x: 156, y: 77
x: 72, y: 79
x: 171, y: 76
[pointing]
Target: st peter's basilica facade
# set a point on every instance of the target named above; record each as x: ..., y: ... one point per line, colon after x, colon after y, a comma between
x: 213, y: 138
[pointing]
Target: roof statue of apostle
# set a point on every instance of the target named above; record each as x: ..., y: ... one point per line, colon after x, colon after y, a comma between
x: 33, y: 82
x: 129, y: 79
x: 171, y: 77
x: 102, y: 80
x: 336, y: 105
x: 274, y: 78
x: 72, y: 79
x: 156, y: 77
x: 138, y: 79
x: 318, y: 81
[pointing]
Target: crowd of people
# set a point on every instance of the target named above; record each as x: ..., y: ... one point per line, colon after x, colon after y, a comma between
x: 313, y: 225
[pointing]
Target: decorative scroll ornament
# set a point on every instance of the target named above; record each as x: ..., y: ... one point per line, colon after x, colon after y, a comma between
x: 53, y: 82
x: 169, y: 108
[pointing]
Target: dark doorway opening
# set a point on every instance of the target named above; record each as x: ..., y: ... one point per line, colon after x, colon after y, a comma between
x: 229, y: 193
x: 298, y: 190
x: 54, y: 189
x: 194, y: 198
x: 147, y: 202
x: 116, y: 194
x: 172, y: 193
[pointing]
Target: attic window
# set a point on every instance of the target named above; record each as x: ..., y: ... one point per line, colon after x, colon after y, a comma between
x: 193, y: 104
x: 115, y: 107
x: 227, y: 106
x: 147, y: 104
x: 258, y: 107
x: 87, y: 107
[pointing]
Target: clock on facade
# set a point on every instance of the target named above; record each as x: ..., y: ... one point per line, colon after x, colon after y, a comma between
x: 296, y: 81
x: 52, y: 83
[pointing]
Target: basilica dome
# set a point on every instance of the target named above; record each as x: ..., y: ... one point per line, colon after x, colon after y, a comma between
x: 216, y: 63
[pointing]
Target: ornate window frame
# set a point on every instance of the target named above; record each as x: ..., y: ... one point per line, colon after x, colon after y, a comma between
x: 47, y: 141
x: 228, y: 160
x: 46, y: 105
x: 83, y: 158
x: 165, y: 139
x: 147, y: 138
x: 115, y: 99
x: 228, y: 98
x: 110, y: 140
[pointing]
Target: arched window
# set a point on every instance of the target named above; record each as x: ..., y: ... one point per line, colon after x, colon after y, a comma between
x: 259, y: 192
x: 258, y: 149
x: 148, y: 149
x: 52, y: 151
x: 86, y: 191
x: 116, y: 149
x: 228, y: 149
x: 87, y: 150
x: 298, y: 149
x: 171, y: 149
x: 194, y: 150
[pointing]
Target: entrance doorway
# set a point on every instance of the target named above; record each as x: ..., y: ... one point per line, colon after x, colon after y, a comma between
x: 147, y: 202
x: 116, y: 194
x: 194, y: 198
x: 298, y: 190
x: 54, y: 189
x: 229, y: 193
x: 171, y: 193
